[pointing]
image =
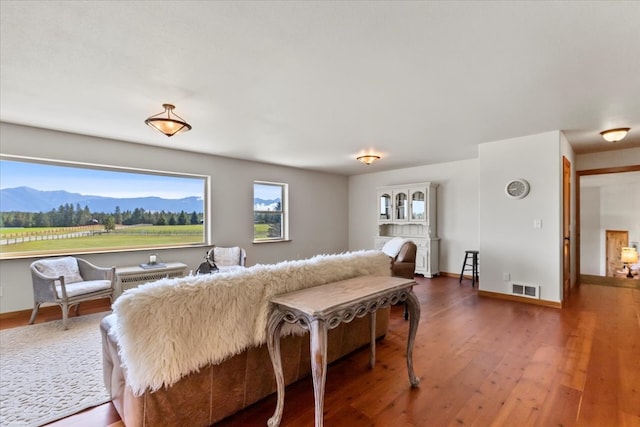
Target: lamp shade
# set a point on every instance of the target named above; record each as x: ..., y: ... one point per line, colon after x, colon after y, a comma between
x: 629, y: 255
x: 368, y: 158
x: 614, y: 135
x: 168, y: 122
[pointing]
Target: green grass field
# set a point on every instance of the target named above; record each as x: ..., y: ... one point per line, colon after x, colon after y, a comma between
x: 131, y: 237
x: 260, y: 231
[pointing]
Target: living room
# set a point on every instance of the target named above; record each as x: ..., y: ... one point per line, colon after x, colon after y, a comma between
x: 332, y: 196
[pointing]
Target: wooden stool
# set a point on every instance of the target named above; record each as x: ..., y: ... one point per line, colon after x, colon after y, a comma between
x: 473, y: 266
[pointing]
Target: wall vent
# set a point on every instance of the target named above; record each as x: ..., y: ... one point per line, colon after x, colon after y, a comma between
x: 529, y: 291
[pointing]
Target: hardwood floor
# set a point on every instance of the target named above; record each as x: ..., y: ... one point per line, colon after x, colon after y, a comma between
x: 481, y: 362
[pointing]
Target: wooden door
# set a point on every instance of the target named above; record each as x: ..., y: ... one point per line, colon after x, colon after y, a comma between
x: 615, y: 241
x: 566, y: 228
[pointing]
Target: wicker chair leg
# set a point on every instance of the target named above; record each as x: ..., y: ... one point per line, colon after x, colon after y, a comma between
x: 36, y: 306
x: 65, y: 315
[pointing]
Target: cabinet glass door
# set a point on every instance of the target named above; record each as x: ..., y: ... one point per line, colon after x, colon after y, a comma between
x: 417, y: 206
x: 401, y: 207
x: 385, y: 206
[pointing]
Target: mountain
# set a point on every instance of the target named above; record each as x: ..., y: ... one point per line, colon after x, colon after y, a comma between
x: 265, y: 205
x: 26, y: 199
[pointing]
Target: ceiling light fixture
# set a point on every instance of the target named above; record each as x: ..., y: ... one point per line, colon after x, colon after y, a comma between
x: 614, y: 135
x: 368, y: 158
x: 170, y: 124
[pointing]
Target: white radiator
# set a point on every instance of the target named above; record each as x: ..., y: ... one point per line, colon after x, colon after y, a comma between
x: 132, y: 277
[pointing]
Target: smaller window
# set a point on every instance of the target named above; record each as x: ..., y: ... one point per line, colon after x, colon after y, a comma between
x: 270, y: 222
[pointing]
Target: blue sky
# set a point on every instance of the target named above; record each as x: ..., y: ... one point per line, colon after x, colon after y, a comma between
x: 98, y: 182
x: 267, y: 192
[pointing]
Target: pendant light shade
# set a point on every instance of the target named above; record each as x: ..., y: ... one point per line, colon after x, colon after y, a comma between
x: 168, y: 122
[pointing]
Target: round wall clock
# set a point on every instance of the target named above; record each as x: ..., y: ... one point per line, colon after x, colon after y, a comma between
x: 517, y: 188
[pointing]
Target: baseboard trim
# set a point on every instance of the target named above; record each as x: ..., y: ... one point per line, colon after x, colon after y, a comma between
x: 444, y: 273
x: 51, y: 312
x: 541, y: 302
x: 457, y: 276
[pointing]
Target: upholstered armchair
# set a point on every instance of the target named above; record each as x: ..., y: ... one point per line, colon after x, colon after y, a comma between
x: 227, y: 258
x: 68, y: 281
x: 403, y: 260
x: 404, y: 264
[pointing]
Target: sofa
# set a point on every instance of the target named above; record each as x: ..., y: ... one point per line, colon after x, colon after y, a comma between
x: 191, y: 351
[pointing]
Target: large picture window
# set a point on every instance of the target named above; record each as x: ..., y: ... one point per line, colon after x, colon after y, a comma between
x: 269, y: 211
x: 50, y: 207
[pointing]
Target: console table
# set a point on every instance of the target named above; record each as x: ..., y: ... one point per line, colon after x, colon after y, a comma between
x: 321, y: 308
x: 131, y: 277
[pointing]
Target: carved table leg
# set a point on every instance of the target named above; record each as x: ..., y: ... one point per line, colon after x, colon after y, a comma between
x: 273, y: 344
x: 318, y: 335
x: 414, y: 318
x: 372, y: 356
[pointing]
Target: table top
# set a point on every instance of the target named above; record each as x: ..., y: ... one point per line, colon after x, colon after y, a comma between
x: 161, y: 267
x: 336, y: 295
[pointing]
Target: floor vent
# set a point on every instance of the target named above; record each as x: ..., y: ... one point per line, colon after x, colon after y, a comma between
x: 528, y: 291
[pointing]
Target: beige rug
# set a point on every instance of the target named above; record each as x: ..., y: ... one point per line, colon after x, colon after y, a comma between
x: 47, y: 373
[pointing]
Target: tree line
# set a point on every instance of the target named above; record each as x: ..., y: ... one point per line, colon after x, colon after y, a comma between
x: 273, y: 218
x: 69, y: 215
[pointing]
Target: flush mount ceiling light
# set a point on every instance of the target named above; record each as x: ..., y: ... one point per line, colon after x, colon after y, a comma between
x: 168, y: 122
x: 614, y: 135
x: 368, y: 158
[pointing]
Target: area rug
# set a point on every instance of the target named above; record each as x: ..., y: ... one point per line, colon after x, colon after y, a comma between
x: 47, y: 373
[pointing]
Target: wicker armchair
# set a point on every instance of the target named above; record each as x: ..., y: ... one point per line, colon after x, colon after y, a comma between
x: 227, y: 258
x: 68, y: 281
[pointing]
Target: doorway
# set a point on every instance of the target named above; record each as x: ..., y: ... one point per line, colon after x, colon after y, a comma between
x: 615, y: 241
x: 580, y: 238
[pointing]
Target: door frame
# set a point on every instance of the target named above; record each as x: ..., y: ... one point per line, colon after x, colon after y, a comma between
x: 620, y: 169
x: 607, y: 233
x: 566, y: 229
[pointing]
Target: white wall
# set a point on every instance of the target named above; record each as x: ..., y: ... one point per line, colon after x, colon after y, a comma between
x: 509, y: 243
x: 318, y: 202
x: 608, y: 159
x: 457, y: 207
x: 590, y: 240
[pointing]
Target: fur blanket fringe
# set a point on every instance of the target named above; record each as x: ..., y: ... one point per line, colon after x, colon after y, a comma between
x: 172, y: 327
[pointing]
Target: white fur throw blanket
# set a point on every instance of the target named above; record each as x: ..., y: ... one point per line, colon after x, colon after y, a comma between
x: 393, y: 246
x: 172, y: 327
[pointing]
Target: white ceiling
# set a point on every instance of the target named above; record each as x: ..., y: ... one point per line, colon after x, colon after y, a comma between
x: 313, y: 84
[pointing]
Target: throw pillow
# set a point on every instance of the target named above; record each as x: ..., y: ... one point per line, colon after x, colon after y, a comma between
x: 56, y: 267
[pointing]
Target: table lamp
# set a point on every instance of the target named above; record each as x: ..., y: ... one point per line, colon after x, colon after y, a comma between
x: 629, y: 256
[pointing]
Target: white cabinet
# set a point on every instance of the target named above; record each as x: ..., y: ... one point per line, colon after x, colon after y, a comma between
x: 409, y: 211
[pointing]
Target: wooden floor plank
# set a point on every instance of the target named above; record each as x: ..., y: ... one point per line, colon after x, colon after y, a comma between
x: 524, y: 403
x: 578, y: 352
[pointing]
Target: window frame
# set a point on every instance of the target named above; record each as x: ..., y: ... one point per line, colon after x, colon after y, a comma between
x: 284, y: 212
x: 204, y: 180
